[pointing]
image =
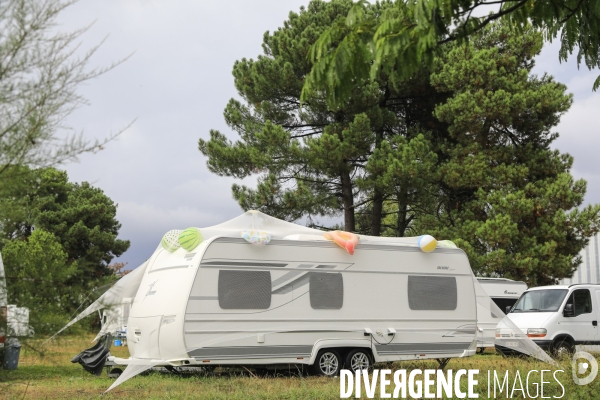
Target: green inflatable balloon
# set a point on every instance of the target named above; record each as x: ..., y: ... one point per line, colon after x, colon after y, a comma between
x: 190, y: 238
x: 170, y: 240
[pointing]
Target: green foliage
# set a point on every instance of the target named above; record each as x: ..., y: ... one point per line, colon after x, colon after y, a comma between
x: 461, y: 151
x: 406, y: 171
x: 407, y: 36
x: 87, y: 229
x: 36, y: 271
x: 25, y: 193
x: 57, y: 239
x: 507, y: 198
x: 56, y: 378
x: 343, y: 52
x: 313, y: 160
x: 80, y: 216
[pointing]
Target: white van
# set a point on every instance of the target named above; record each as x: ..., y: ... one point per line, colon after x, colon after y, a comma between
x: 558, y: 318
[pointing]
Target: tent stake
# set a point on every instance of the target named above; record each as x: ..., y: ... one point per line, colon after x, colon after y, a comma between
x: 442, y: 363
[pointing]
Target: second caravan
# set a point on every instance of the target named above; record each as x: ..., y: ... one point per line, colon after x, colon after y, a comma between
x: 504, y: 293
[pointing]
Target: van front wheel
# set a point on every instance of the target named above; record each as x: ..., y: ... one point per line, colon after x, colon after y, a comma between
x: 327, y: 363
x: 562, y: 348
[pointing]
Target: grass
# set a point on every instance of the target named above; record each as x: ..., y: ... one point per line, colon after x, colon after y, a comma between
x: 45, y: 372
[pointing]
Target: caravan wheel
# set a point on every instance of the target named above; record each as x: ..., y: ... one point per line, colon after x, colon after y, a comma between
x: 115, y: 373
x: 327, y: 363
x: 358, y: 360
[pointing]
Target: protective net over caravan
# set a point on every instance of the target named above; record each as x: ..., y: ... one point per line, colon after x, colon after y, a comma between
x: 322, y: 285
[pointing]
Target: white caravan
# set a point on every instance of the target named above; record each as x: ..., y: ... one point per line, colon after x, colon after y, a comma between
x: 300, y: 299
x: 558, y: 317
x: 504, y: 293
x: 114, y: 319
x: 257, y: 291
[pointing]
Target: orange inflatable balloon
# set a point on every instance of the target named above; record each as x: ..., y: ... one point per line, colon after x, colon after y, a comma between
x: 345, y: 240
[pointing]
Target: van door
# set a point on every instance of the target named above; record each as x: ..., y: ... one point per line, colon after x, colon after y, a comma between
x: 597, y: 316
x: 581, y: 326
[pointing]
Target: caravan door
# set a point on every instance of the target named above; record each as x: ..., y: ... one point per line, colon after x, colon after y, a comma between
x: 143, y: 336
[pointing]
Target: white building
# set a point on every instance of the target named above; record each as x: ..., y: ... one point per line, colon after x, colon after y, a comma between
x: 589, y: 270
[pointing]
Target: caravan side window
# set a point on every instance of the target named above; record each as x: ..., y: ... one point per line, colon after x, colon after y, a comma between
x: 432, y: 293
x: 326, y: 291
x: 244, y: 290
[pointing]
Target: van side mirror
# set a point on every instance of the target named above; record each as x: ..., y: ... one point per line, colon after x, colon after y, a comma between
x: 507, y: 310
x: 568, y: 311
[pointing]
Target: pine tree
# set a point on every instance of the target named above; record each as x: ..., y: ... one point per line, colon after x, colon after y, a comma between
x: 507, y: 198
x: 312, y: 159
x: 461, y: 151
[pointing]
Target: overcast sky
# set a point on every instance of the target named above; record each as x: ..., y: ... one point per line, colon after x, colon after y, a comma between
x: 176, y: 85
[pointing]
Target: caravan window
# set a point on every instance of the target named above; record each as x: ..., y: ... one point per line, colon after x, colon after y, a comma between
x: 502, y: 303
x: 432, y: 293
x: 244, y: 290
x: 326, y: 291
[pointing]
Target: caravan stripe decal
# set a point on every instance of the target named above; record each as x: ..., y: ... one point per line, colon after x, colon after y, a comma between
x: 411, y: 348
x: 240, y: 264
x: 328, y: 320
x: 251, y: 352
x: 290, y: 275
x: 204, y: 297
x: 168, y: 267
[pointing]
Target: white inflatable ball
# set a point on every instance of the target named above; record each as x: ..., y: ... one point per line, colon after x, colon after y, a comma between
x: 427, y: 243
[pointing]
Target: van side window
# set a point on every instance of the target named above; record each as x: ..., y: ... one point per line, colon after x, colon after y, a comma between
x: 326, y: 291
x: 581, y: 300
x: 244, y: 290
x: 432, y: 293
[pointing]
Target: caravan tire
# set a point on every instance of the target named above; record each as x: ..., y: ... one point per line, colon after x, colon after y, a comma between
x: 327, y: 363
x: 358, y: 360
x: 115, y: 373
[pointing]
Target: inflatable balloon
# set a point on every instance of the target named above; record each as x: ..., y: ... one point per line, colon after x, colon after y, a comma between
x: 256, y: 237
x: 345, y: 240
x: 427, y: 243
x: 447, y: 244
x: 169, y: 241
x: 190, y: 238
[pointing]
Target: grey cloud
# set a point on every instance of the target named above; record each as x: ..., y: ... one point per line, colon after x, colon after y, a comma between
x: 177, y: 84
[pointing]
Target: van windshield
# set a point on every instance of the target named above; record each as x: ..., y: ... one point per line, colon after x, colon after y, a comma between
x: 540, y: 301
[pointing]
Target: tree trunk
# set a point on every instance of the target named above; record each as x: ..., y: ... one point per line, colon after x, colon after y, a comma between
x: 348, y: 200
x: 378, y: 195
x: 377, y: 211
x: 402, y: 212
